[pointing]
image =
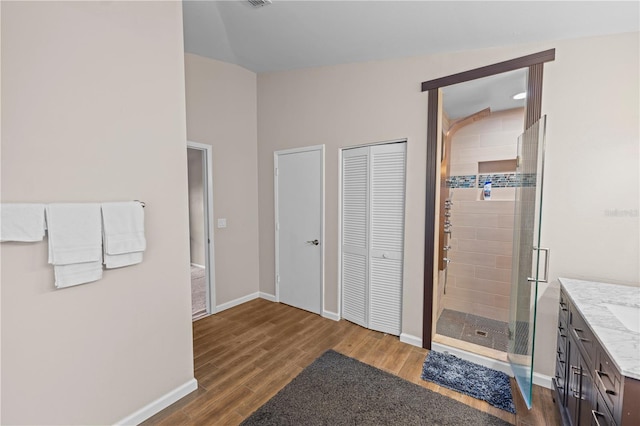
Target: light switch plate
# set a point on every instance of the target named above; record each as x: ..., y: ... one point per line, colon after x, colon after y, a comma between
x: 222, y: 223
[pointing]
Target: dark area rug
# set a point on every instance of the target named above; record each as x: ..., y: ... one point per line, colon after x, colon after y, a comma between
x: 469, y: 378
x: 338, y: 390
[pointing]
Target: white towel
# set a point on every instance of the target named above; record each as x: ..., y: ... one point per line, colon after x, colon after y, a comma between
x: 75, y: 243
x: 123, y: 233
x: 77, y: 273
x: 22, y: 222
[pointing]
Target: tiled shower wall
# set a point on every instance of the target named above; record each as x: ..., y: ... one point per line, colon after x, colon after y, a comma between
x: 492, y: 138
x: 479, y: 274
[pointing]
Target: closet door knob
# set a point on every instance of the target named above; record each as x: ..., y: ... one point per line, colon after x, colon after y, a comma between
x: 314, y: 242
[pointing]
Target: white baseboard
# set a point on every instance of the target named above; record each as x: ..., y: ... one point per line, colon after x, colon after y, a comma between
x: 411, y: 340
x: 267, y: 296
x: 542, y: 380
x: 236, y: 302
x: 198, y: 266
x: 331, y: 315
x: 159, y: 404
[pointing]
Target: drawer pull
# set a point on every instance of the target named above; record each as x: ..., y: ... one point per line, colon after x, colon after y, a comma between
x: 595, y: 415
x: 599, y: 375
x: 579, y: 330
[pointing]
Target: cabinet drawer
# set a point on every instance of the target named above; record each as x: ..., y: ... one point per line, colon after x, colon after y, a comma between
x: 585, y: 340
x: 561, y: 349
x: 600, y: 415
x: 607, y: 380
x: 560, y: 376
x: 563, y: 312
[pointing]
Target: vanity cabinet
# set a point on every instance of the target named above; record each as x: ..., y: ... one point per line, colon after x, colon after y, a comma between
x: 588, y: 387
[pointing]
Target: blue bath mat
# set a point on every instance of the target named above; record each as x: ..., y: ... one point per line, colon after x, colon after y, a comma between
x: 469, y: 378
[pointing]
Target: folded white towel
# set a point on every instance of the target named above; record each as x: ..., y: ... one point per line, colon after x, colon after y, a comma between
x: 119, y: 260
x: 77, y: 273
x: 74, y: 233
x: 75, y: 243
x: 123, y: 233
x: 22, y: 222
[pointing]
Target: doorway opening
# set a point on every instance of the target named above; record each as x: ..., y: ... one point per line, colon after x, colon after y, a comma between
x: 476, y: 232
x: 200, y: 183
x: 525, y: 257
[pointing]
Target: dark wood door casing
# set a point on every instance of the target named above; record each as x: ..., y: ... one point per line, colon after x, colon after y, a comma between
x: 534, y: 63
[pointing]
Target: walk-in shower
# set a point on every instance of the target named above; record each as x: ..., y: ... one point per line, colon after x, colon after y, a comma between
x: 479, y: 145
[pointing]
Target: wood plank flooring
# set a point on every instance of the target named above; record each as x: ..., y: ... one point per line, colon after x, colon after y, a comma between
x: 243, y: 356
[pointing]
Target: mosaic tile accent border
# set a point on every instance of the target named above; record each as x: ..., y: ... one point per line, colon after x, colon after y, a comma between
x: 466, y: 181
x: 498, y: 180
x: 508, y: 180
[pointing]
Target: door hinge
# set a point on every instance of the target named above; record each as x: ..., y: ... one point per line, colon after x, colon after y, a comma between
x: 275, y: 171
x: 517, y: 161
x: 277, y: 279
x: 277, y: 226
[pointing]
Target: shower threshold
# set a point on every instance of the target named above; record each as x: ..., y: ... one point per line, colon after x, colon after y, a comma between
x: 473, y: 333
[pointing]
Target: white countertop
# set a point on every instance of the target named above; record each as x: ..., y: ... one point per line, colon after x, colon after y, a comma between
x: 621, y: 344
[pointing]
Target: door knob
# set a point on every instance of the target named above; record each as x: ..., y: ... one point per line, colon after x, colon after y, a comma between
x: 314, y: 242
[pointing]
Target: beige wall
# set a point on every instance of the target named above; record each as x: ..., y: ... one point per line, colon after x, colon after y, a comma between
x: 93, y: 110
x: 592, y: 145
x: 221, y: 112
x: 196, y: 206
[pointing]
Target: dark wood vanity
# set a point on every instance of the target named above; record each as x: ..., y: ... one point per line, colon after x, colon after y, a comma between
x: 589, y: 387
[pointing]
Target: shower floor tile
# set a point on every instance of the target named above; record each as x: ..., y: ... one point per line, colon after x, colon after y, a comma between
x: 473, y: 329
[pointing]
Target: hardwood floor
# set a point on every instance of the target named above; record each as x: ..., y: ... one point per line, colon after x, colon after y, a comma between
x: 245, y: 355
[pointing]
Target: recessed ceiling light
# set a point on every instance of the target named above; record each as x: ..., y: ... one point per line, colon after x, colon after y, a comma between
x: 520, y: 95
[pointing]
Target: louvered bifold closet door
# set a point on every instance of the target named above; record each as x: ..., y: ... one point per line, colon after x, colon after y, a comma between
x: 387, y: 237
x: 355, y: 210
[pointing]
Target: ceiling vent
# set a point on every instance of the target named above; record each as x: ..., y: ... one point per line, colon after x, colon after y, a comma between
x: 259, y: 3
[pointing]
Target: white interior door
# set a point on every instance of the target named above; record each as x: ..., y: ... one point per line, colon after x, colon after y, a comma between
x: 299, y: 214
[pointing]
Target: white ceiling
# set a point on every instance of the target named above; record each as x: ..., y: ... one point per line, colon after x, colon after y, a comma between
x: 495, y: 92
x: 302, y: 33
x: 290, y: 34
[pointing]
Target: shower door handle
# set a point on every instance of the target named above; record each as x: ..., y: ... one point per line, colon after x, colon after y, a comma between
x: 546, y: 266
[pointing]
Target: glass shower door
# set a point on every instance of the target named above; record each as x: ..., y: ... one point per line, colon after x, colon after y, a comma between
x: 527, y: 255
